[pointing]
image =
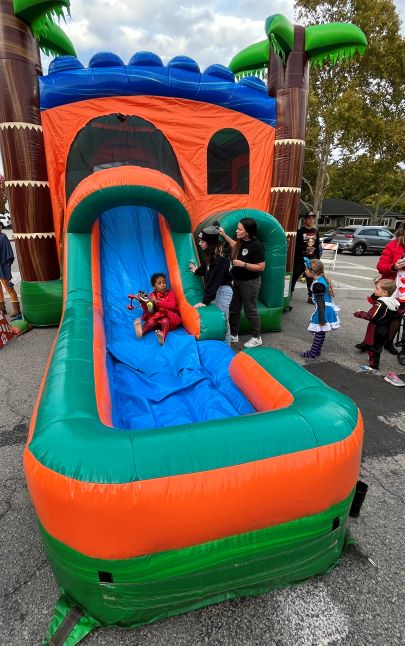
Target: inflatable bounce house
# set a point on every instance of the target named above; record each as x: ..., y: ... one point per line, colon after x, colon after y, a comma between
x: 166, y: 478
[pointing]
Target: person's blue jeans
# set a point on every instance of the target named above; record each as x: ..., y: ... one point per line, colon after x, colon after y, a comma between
x: 223, y: 301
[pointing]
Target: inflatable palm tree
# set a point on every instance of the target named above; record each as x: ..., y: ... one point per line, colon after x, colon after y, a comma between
x: 286, y: 56
x: 26, y: 26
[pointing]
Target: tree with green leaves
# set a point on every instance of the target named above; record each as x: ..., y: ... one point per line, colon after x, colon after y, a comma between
x: 26, y: 25
x: 287, y: 56
x: 356, y: 112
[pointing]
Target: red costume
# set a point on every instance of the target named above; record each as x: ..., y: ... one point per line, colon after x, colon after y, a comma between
x: 166, y: 315
x: 392, y: 252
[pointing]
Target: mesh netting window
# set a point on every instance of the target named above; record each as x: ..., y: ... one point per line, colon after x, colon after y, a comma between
x: 228, y: 163
x: 119, y: 140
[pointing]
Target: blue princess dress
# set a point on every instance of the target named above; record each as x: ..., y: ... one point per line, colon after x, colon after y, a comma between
x: 325, y: 316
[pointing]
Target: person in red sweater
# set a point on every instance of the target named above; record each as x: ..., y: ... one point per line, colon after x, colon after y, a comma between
x: 391, y: 261
x: 163, y: 316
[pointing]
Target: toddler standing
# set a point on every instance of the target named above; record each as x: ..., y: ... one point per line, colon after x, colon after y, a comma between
x: 325, y: 315
x: 381, y: 314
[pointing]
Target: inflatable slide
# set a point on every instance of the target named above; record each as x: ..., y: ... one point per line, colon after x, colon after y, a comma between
x: 166, y: 478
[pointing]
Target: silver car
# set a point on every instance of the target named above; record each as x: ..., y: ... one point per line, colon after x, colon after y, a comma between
x: 359, y: 239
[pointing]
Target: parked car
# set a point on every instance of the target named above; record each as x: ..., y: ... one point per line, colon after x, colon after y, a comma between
x: 5, y: 219
x: 359, y: 239
x: 326, y: 236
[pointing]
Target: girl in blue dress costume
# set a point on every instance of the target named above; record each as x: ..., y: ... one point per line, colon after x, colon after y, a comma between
x: 325, y: 315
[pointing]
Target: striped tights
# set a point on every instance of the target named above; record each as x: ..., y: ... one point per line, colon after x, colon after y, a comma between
x: 316, y: 347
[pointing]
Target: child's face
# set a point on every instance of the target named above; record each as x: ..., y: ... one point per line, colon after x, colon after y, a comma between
x: 379, y: 291
x: 308, y: 272
x: 203, y: 244
x: 160, y: 284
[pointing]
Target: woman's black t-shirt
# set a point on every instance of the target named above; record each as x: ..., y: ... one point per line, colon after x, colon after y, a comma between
x: 251, y: 251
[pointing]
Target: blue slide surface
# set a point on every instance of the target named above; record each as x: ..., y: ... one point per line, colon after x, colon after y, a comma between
x: 152, y: 386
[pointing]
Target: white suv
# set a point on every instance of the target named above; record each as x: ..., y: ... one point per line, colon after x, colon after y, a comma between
x: 5, y: 219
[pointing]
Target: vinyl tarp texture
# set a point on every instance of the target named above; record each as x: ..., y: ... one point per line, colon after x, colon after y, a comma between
x: 153, y: 386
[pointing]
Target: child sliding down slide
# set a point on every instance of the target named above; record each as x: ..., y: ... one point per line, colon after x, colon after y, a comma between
x: 163, y: 315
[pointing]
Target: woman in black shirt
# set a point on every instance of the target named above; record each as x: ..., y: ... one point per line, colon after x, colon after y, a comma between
x: 248, y: 263
x: 216, y: 268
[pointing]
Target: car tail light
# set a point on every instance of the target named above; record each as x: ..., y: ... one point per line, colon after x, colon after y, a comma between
x: 349, y: 235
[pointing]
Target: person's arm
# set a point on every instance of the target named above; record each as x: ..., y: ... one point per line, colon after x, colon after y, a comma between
x: 250, y: 266
x: 7, y: 251
x: 227, y: 238
x: 399, y: 265
x: 318, y: 290
x: 386, y: 263
x: 299, y: 245
x: 258, y: 257
x: 198, y: 271
x: 373, y: 314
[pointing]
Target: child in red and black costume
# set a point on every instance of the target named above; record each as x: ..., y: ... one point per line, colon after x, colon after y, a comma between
x: 163, y: 316
x: 380, y: 316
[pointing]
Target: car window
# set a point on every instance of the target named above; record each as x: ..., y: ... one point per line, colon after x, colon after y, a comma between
x: 345, y: 231
x: 384, y: 234
x: 368, y: 232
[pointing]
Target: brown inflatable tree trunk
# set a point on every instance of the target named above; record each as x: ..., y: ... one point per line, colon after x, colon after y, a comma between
x: 289, y: 85
x: 22, y: 149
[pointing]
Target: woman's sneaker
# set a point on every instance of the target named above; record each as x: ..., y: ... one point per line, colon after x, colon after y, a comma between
x: 234, y: 339
x: 393, y: 379
x: 254, y: 342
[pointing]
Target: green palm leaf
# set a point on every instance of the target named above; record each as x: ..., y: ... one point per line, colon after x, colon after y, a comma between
x: 280, y: 32
x: 256, y: 57
x: 54, y: 42
x: 38, y: 14
x: 32, y: 10
x: 333, y: 41
x: 252, y: 58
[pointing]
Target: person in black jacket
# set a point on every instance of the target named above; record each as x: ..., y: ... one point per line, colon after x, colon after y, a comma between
x: 6, y: 260
x: 381, y: 315
x: 307, y: 246
x: 217, y: 270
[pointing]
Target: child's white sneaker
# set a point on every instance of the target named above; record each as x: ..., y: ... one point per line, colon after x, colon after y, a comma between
x: 371, y: 371
x: 254, y: 342
x: 234, y: 339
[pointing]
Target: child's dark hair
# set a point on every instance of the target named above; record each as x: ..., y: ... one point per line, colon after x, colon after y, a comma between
x: 156, y: 276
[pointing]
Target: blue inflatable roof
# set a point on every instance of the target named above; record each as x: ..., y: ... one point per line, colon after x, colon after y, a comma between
x: 69, y: 81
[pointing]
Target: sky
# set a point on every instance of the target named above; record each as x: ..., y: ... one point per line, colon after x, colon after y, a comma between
x: 210, y: 32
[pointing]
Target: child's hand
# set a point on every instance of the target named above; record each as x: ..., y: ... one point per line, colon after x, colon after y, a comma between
x: 192, y: 267
x: 200, y: 305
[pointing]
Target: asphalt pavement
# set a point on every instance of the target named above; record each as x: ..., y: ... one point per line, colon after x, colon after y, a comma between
x: 360, y: 602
